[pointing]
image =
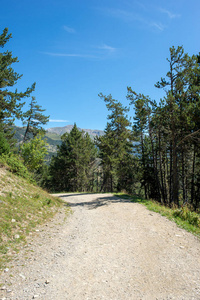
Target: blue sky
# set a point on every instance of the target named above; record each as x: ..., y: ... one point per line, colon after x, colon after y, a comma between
x: 74, y: 50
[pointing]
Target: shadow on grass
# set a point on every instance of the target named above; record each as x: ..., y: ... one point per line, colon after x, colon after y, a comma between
x: 96, y: 203
x: 133, y: 198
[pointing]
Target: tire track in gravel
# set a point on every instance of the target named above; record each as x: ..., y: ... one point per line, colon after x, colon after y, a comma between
x: 110, y: 249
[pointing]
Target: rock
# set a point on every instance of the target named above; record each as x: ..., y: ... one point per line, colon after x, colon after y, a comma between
x: 35, y: 296
x: 47, y: 281
x: 3, y: 288
x: 6, y: 270
x: 22, y: 276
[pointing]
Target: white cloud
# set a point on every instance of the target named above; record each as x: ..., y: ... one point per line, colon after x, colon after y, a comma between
x: 122, y: 14
x: 159, y: 26
x: 69, y: 55
x: 169, y: 13
x: 69, y: 29
x: 58, y: 121
x: 106, y: 47
x: 129, y: 16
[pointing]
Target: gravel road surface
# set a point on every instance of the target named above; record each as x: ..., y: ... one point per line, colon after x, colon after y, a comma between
x: 107, y: 249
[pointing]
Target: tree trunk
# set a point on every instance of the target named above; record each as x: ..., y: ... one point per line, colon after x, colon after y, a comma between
x: 26, y: 131
x: 174, y: 172
x: 183, y: 177
x: 193, y: 172
x: 161, y: 170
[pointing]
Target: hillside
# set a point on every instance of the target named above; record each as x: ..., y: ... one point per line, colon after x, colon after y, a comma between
x: 53, y: 136
x: 22, y: 207
x: 61, y: 130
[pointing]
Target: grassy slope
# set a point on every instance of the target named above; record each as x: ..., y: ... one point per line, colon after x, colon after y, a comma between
x: 183, y: 217
x: 22, y: 207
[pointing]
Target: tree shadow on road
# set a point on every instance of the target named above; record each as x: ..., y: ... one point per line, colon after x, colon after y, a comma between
x: 96, y: 203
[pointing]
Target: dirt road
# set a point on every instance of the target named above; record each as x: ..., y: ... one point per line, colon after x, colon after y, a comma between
x: 108, y: 249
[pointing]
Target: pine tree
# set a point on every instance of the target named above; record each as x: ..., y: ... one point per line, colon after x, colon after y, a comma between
x: 182, y: 107
x: 10, y: 102
x: 34, y: 119
x: 146, y: 149
x: 71, y: 169
x: 116, y: 148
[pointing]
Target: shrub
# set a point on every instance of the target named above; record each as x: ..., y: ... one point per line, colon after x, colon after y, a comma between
x: 15, y: 165
x: 4, y: 145
x: 186, y: 214
x: 33, y: 152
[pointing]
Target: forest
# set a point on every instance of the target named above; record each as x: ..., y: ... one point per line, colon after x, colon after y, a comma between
x: 150, y: 147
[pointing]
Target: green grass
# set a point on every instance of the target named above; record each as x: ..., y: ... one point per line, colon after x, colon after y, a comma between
x: 23, y: 206
x: 53, y: 136
x: 183, y: 216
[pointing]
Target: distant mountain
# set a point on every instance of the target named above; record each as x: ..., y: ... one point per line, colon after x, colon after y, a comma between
x: 61, y: 130
x: 53, y: 136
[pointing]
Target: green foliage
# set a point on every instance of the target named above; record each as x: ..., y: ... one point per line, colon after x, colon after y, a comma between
x: 115, y: 149
x: 72, y: 168
x: 34, y: 152
x: 187, y: 215
x: 4, y: 145
x: 142, y: 132
x: 15, y: 164
x: 10, y: 102
x: 180, y: 116
x: 33, y: 119
x: 167, y: 134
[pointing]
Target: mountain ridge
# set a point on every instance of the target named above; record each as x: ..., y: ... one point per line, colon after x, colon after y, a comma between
x: 53, y: 136
x: 60, y: 130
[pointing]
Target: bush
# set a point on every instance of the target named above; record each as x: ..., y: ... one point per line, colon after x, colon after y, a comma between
x: 4, y: 145
x: 33, y: 152
x: 186, y: 214
x: 15, y: 165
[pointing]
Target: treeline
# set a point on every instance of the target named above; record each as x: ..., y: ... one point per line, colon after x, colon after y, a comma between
x: 164, y: 161
x: 29, y: 157
x: 168, y: 134
x: 154, y: 153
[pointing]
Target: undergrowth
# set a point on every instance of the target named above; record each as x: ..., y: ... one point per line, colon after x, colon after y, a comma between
x: 15, y: 165
x: 183, y: 216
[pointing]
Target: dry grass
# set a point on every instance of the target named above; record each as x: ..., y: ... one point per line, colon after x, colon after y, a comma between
x: 22, y: 207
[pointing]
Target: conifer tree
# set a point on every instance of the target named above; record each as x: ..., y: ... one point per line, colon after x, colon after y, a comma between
x: 70, y: 170
x: 182, y: 107
x: 34, y: 119
x: 169, y: 133
x: 142, y: 106
x: 10, y: 102
x: 116, y: 148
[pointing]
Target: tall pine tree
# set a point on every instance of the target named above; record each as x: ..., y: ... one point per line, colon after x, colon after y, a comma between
x: 116, y: 148
x: 10, y: 102
x: 71, y: 169
x: 34, y: 119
